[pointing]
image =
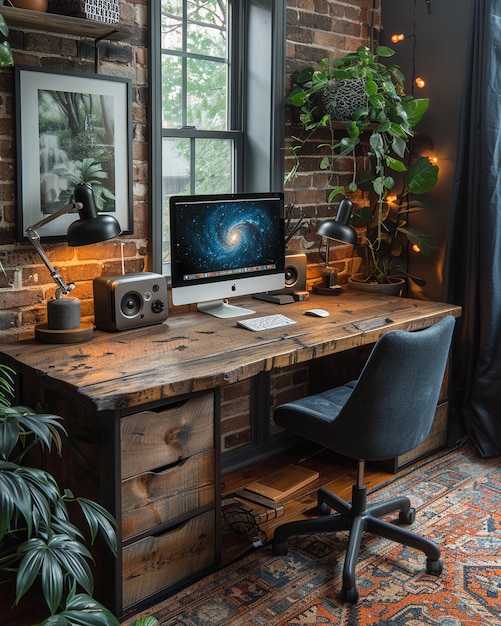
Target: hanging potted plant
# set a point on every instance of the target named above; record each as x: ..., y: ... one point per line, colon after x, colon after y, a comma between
x: 333, y: 105
x: 6, y: 58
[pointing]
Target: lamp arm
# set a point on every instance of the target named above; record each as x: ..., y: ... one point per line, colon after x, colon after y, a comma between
x: 34, y: 238
x: 53, y: 216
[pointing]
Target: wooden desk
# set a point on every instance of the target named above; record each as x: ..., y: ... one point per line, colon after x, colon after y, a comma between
x: 143, y: 405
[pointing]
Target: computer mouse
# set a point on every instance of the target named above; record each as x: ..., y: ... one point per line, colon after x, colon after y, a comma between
x: 317, y: 312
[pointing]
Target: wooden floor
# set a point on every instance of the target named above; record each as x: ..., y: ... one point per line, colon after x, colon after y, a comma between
x: 335, y: 473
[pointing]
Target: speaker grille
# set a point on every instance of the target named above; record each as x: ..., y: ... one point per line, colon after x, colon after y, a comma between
x: 295, y: 272
x: 131, y: 304
x: 291, y: 276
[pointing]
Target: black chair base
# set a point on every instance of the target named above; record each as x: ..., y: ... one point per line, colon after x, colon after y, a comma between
x: 357, y: 518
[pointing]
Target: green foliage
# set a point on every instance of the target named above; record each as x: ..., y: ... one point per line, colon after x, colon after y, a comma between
x: 145, y: 621
x: 91, y: 172
x: 38, y: 541
x: 81, y: 609
x: 6, y: 58
x: 387, y: 123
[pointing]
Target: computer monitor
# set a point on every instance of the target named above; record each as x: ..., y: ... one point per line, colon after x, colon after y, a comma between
x: 224, y: 246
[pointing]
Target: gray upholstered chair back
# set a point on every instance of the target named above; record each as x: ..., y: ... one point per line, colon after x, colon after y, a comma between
x: 393, y: 403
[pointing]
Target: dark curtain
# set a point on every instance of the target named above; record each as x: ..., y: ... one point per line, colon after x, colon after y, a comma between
x: 474, y: 264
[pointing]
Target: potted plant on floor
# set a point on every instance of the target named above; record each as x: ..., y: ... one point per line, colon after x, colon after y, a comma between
x: 358, y: 101
x: 38, y: 541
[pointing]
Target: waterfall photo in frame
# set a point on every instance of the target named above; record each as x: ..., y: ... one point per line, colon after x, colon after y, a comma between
x: 72, y: 128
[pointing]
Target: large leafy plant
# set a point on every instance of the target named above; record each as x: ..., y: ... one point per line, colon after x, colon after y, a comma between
x: 38, y: 541
x: 384, y: 121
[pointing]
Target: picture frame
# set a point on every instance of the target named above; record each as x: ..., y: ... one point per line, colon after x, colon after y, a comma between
x: 72, y: 127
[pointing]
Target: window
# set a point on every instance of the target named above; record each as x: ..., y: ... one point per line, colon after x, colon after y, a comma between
x: 217, y: 84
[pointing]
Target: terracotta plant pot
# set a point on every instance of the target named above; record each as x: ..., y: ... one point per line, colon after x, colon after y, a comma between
x: 32, y: 5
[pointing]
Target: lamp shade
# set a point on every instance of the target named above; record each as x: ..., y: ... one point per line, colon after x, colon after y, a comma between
x: 338, y: 228
x: 92, y: 226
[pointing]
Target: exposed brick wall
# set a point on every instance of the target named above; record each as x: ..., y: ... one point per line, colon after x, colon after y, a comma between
x: 235, y: 416
x: 290, y: 383
x: 236, y: 429
x: 27, y: 286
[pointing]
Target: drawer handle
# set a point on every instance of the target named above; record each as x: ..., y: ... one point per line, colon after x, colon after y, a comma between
x: 170, y: 466
x: 169, y: 407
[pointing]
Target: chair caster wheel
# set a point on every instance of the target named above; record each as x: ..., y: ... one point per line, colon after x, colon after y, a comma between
x: 349, y: 595
x: 280, y: 548
x: 407, y: 517
x: 434, y: 566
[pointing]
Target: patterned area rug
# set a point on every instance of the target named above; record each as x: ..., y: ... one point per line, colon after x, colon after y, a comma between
x: 457, y: 497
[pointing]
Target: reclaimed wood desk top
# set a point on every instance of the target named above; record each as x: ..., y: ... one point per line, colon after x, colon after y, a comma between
x: 193, y: 351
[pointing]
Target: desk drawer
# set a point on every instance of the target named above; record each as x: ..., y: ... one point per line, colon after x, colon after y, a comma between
x: 151, y: 498
x: 155, y: 439
x: 154, y: 563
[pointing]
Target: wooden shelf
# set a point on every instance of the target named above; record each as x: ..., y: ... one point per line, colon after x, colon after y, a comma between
x: 62, y: 24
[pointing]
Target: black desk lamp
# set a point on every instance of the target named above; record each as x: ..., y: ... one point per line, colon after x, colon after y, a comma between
x: 63, y: 314
x: 337, y: 229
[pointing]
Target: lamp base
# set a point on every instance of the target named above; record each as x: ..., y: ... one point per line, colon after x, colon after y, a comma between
x: 335, y: 290
x: 84, y: 332
x: 328, y: 286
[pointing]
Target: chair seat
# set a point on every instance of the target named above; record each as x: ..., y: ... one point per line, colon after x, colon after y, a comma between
x: 311, y: 417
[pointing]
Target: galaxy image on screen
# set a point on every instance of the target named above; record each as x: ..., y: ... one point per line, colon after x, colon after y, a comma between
x: 230, y: 237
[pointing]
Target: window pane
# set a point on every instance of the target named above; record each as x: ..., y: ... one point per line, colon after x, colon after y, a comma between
x: 214, y: 166
x: 175, y: 180
x: 172, y: 25
x: 172, y: 108
x: 173, y: 7
x: 213, y: 172
x: 206, y: 28
x: 206, y: 104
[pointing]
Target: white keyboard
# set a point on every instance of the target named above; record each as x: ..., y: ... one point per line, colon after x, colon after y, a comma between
x: 266, y: 322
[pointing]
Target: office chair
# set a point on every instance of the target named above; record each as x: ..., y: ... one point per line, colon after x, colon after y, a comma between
x: 388, y: 411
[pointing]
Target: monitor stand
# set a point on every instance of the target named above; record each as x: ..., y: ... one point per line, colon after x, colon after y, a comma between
x: 275, y: 297
x: 221, y: 308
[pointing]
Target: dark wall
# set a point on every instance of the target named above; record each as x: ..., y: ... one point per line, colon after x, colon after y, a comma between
x: 440, y: 56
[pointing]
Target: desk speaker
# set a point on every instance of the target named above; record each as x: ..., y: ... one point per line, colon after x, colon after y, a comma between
x: 130, y: 301
x: 295, y: 272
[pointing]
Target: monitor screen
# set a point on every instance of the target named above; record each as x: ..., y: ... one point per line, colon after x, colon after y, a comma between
x: 224, y: 246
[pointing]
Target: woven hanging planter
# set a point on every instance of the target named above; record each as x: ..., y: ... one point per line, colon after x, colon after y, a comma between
x: 341, y: 98
x: 99, y: 10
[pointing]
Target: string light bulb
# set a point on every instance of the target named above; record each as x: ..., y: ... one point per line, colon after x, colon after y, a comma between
x: 433, y: 160
x: 420, y: 82
x: 397, y: 37
x: 415, y: 248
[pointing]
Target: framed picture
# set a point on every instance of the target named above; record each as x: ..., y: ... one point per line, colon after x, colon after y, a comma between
x: 72, y: 128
